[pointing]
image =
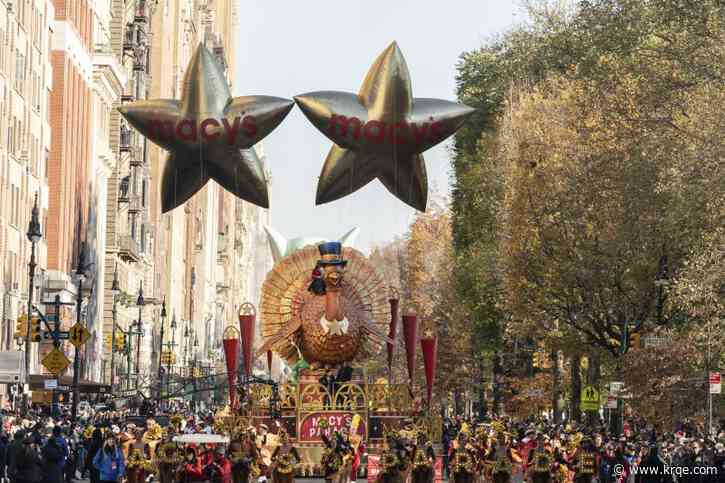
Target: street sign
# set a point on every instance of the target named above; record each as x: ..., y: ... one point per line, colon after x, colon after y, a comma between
x: 611, y: 402
x: 50, y: 383
x: 61, y: 335
x: 590, y: 399
x: 55, y: 361
x: 78, y: 335
x: 715, y: 383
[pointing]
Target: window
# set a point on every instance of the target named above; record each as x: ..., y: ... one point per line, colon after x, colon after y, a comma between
x: 15, y: 206
x: 142, y: 243
x: 19, y: 70
x: 2, y: 49
x: 143, y: 193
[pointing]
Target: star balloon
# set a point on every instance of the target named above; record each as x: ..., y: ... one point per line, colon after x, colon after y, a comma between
x: 208, y: 134
x: 380, y: 132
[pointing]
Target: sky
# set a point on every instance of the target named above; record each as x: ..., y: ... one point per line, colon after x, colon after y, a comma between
x: 290, y: 47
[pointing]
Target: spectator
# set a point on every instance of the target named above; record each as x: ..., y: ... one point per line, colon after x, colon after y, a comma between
x: 95, y: 444
x: 52, y: 461
x: 11, y: 455
x: 27, y: 464
x: 109, y: 462
x: 3, y: 454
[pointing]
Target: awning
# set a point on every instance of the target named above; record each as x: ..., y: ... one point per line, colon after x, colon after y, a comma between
x: 65, y: 384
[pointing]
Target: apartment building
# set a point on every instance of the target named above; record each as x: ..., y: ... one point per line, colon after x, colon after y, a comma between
x: 26, y: 79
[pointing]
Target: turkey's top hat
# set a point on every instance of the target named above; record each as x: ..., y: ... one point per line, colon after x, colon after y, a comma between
x: 331, y: 254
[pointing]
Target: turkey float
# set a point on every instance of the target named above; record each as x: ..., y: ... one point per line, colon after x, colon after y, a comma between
x: 324, y: 302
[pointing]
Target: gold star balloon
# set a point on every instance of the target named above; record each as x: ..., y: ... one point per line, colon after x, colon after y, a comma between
x: 208, y: 134
x: 380, y: 132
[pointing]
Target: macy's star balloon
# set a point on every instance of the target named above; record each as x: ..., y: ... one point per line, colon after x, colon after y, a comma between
x: 208, y: 134
x: 380, y: 132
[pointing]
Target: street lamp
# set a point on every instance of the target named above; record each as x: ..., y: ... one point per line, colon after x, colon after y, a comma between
x: 186, y: 344
x: 140, y: 302
x: 81, y: 274
x: 34, y: 235
x: 170, y: 368
x: 115, y: 290
x: 161, y: 345
x: 193, y: 371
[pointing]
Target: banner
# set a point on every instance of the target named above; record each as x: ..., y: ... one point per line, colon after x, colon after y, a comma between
x: 311, y: 430
x: 392, y: 332
x: 429, y: 347
x: 247, y: 319
x: 230, y: 343
x: 410, y: 335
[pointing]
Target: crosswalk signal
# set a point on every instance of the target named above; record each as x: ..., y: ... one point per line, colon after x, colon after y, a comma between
x: 35, y: 332
x: 21, y: 328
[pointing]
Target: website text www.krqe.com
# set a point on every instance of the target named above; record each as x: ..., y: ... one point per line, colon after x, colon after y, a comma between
x: 619, y: 470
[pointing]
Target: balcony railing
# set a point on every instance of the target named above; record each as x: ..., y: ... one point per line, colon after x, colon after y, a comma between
x: 129, y: 40
x: 142, y: 12
x: 129, y: 249
x: 136, y: 159
x: 124, y: 142
x: 140, y: 62
x: 134, y: 205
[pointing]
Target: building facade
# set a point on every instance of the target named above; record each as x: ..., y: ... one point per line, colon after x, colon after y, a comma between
x: 65, y: 66
x: 26, y: 80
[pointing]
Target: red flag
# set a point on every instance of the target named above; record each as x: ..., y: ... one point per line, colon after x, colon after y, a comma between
x: 269, y: 361
x: 246, y: 326
x: 231, y: 351
x: 393, y: 331
x: 410, y: 335
x: 429, y: 347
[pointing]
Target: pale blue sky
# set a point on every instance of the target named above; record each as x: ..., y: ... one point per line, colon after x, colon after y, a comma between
x: 287, y: 47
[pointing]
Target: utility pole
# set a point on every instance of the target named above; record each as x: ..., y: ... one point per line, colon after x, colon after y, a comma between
x: 81, y: 273
x: 140, y: 302
x: 161, y: 352
x: 34, y: 235
x: 115, y: 290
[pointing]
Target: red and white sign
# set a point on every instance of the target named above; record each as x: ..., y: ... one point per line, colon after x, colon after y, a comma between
x: 310, y: 430
x: 715, y: 383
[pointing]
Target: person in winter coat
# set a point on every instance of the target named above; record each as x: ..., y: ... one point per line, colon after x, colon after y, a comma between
x: 220, y: 469
x: 109, y: 462
x: 27, y: 464
x: 95, y: 444
x: 3, y: 454
x: 192, y: 470
x: 14, y: 449
x: 52, y: 462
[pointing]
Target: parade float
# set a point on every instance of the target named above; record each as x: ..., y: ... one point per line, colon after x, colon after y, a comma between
x: 325, y: 311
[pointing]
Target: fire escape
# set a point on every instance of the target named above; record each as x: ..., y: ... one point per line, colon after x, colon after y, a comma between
x: 133, y: 148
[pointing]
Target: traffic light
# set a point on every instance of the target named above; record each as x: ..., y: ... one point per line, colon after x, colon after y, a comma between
x: 120, y: 342
x: 21, y: 329
x: 35, y: 332
x: 536, y: 360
